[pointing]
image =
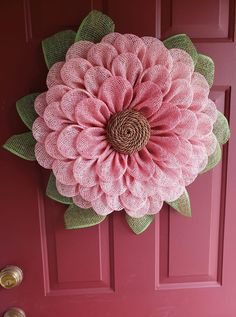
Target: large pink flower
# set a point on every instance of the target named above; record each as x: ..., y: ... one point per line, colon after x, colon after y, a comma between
x: 125, y: 124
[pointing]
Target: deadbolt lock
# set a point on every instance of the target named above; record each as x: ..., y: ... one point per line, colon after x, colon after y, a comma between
x: 11, y: 276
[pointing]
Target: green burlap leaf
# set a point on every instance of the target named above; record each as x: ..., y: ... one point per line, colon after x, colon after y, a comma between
x: 56, y: 46
x: 182, y: 204
x: 77, y: 218
x: 53, y: 193
x: 139, y: 225
x: 183, y: 42
x: 206, y: 67
x: 94, y: 26
x: 22, y: 145
x: 213, y: 159
x: 25, y: 109
x: 221, y: 129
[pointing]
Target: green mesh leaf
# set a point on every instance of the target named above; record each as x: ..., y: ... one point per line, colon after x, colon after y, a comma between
x: 213, y: 159
x: 22, y: 145
x: 76, y: 217
x: 206, y: 67
x: 183, y: 42
x: 56, y: 46
x: 94, y: 27
x: 182, y: 204
x: 25, y: 109
x: 139, y: 225
x: 52, y: 192
x: 221, y: 129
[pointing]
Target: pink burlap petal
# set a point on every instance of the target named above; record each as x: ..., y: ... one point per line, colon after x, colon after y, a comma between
x: 67, y: 140
x: 164, y: 144
x: 110, y: 38
x: 141, y: 165
x: 40, y: 104
x: 63, y: 171
x: 183, y: 66
x: 198, y: 80
x: 79, y: 201
x: 54, y: 75
x: 170, y: 176
x: 139, y: 212
x: 100, y: 206
x: 85, y: 172
x: 112, y: 166
x: 156, y: 53
x: 51, y: 145
x: 79, y: 49
x: 67, y: 190
x: 134, y: 186
x: 189, y: 174
x: 128, y: 66
x: 91, y: 143
x: 40, y: 130
x: 184, y: 154
x: 171, y: 193
x: 70, y: 100
x: 117, y: 93
x: 92, y: 112
x: 42, y: 156
x: 165, y: 119
x: 72, y: 73
x: 55, y: 93
x: 204, y: 126
x: 181, y: 71
x: 200, y: 89
x: 210, y: 142
x: 131, y: 202
x: 180, y: 56
x: 199, y: 157
x: 115, y: 188
x: 187, y: 125
x: 90, y: 193
x: 180, y: 93
x: 114, y: 202
x: 102, y: 54
x: 156, y: 204
x: 159, y: 75
x: 147, y: 98
x: 130, y: 43
x: 211, y: 110
x: 94, y: 78
x: 54, y: 116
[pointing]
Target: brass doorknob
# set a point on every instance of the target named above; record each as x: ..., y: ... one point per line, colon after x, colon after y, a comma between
x: 11, y: 276
x: 14, y: 312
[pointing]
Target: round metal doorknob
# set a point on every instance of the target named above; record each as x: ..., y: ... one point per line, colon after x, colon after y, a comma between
x: 11, y: 276
x: 14, y: 312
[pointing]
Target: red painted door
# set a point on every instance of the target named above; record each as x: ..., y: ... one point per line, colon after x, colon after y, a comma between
x: 179, y: 267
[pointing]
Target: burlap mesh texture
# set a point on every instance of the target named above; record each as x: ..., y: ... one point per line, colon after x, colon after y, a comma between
x: 76, y: 218
x: 182, y: 204
x: 128, y: 131
x: 53, y: 193
x: 94, y: 27
x: 139, y: 225
x: 22, y: 145
x: 25, y: 109
x: 56, y: 46
x: 221, y: 129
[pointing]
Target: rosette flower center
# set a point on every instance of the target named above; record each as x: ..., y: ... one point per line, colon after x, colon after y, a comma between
x: 128, y: 131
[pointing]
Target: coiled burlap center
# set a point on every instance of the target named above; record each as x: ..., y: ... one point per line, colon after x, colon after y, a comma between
x: 128, y: 131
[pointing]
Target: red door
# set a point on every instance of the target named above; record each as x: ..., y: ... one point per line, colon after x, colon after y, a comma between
x: 179, y: 267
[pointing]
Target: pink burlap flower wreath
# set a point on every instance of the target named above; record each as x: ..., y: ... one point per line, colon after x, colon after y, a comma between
x: 125, y: 124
